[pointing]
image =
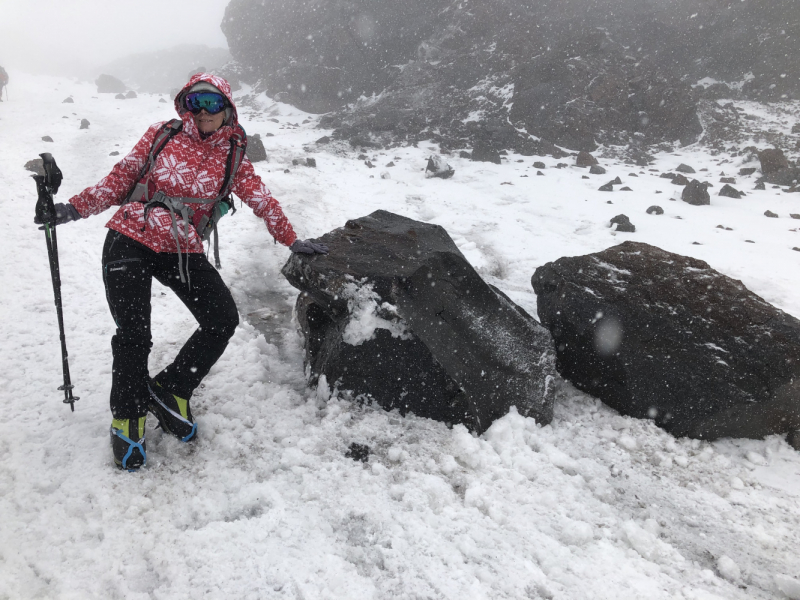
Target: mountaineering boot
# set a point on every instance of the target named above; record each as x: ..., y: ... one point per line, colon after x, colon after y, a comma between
x: 173, y: 413
x: 127, y: 442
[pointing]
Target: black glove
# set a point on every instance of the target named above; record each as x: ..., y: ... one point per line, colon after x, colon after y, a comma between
x: 308, y: 247
x: 64, y: 214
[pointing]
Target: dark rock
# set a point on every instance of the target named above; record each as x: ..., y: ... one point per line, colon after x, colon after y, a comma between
x: 793, y: 439
x: 539, y: 173
x: 131, y: 94
x: 485, y: 153
x: 623, y: 223
x: 772, y: 160
x: 85, y: 123
x: 369, y: 164
x: 47, y: 138
x: 684, y: 169
x: 255, y: 148
x: 358, y: 452
x: 794, y: 216
x: 295, y: 162
x: 107, y: 84
x: 680, y: 180
x: 660, y: 336
x: 362, y: 157
x: 597, y: 170
x: 464, y: 154
x: 655, y: 210
x: 608, y: 187
x: 437, y: 167
x: 35, y: 166
x: 162, y: 101
x: 668, y: 176
x: 770, y: 214
x: 747, y: 171
x: 625, y: 189
x: 760, y: 186
x: 390, y: 163
x: 696, y: 194
x: 617, y: 180
x: 120, y: 97
x: 730, y: 192
x: 727, y: 180
x: 786, y: 176
x: 311, y: 162
x: 114, y: 153
x: 323, y: 140
x: 585, y: 177
x: 584, y: 159
x: 561, y: 165
x: 286, y: 171
x: 68, y: 100
x: 539, y: 165
x: 395, y: 314
x: 796, y: 128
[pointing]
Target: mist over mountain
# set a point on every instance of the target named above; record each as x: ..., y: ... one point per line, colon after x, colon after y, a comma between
x: 576, y: 73
x: 164, y: 70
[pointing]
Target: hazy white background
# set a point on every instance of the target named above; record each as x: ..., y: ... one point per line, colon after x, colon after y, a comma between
x: 71, y: 37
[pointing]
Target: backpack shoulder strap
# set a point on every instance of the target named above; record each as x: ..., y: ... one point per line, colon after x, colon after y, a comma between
x: 165, y: 133
x: 235, y: 157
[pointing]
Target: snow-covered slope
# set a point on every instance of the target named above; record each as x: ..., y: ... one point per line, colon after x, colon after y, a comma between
x: 265, y: 504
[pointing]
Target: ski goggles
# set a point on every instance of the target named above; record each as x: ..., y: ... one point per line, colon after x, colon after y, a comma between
x: 212, y: 102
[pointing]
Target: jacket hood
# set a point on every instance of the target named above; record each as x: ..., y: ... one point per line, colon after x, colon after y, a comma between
x: 224, y: 87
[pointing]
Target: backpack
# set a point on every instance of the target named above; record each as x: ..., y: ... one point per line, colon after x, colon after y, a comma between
x: 221, y: 204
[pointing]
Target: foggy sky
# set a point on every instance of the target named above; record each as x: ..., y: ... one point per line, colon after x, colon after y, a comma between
x: 72, y: 37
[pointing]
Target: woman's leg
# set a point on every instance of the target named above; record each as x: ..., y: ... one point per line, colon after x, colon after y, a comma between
x: 127, y: 274
x: 210, y: 302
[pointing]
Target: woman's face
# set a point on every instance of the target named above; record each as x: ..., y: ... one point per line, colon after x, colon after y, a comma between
x: 207, y: 123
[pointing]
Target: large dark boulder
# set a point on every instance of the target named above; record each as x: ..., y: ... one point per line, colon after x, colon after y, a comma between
x: 661, y: 336
x: 396, y: 315
x: 772, y: 160
x: 108, y: 84
x: 255, y: 148
x: 696, y: 194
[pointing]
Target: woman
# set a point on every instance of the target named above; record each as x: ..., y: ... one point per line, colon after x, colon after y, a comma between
x: 166, y: 202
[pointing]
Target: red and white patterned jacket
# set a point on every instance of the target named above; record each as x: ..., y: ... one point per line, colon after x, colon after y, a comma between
x: 189, y: 167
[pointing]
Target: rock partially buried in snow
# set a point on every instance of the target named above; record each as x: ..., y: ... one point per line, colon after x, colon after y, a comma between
x: 661, y: 336
x: 684, y: 169
x: 584, y: 159
x: 437, y: 167
x: 730, y: 192
x: 772, y: 160
x: 120, y: 97
x: 396, y: 314
x: 85, y: 123
x: 47, y: 138
x: 655, y: 210
x: 68, y: 100
x: 130, y: 94
x: 696, y: 194
x: 623, y: 224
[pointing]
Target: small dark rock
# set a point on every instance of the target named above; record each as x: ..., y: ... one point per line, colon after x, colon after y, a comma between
x: 485, y: 153
x: 668, y: 176
x: 760, y: 186
x: 625, y: 189
x: 680, y: 180
x: 561, y: 165
x: 795, y: 216
x: 793, y: 439
x: 464, y: 154
x: 539, y: 173
x: 655, y: 210
x: 617, y: 181
x: 584, y: 159
x: 35, y: 166
x: 390, y: 163
x: 120, y: 96
x: 796, y: 128
x: 608, y: 187
x: 623, y: 224
x: 85, y: 123
x: 585, y: 177
x: 47, y: 138
x: 295, y: 162
x: 727, y: 180
x: 796, y: 248
x: 539, y: 165
x: 696, y: 194
x: 162, y: 101
x: 311, y: 162
x: 684, y: 169
x: 286, y: 171
x: 770, y: 214
x: 274, y: 120
x: 369, y: 164
x: 750, y: 241
x: 772, y: 160
x: 358, y: 452
x: 597, y: 170
x: 747, y: 171
x: 130, y: 94
x: 114, y: 153
x: 68, y: 100
x: 730, y: 192
x: 323, y: 140
x: 437, y: 167
x: 362, y: 157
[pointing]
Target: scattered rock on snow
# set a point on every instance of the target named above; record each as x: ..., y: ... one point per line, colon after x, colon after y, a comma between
x: 85, y: 123
x: 770, y: 214
x: 680, y: 180
x: 597, y: 170
x: 107, y: 84
x: 709, y: 359
x: 396, y: 314
x: 114, y: 153
x: 747, y: 171
x: 311, y: 162
x: 696, y: 194
x: 255, y: 148
x: 760, y: 186
x: 655, y: 210
x: 130, y: 94
x: 684, y: 169
x: 608, y: 187
x: 47, y: 138
x: 584, y: 159
x: 539, y: 165
x: 437, y: 167
x: 120, y: 97
x: 623, y: 224
x: 483, y: 152
x: 68, y: 100
x: 772, y: 160
x: 162, y: 101
x: 794, y: 215
x: 782, y: 177
x: 358, y: 452
x: 727, y: 180
x: 730, y: 192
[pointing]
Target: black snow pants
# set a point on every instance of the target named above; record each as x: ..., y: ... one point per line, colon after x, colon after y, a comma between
x: 128, y: 271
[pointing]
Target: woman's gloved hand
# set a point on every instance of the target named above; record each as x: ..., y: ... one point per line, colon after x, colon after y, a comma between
x: 64, y: 214
x: 308, y: 247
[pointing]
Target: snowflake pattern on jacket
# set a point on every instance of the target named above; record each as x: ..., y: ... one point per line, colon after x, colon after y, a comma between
x: 189, y: 167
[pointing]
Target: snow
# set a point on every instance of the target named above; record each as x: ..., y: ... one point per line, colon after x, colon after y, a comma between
x: 265, y: 504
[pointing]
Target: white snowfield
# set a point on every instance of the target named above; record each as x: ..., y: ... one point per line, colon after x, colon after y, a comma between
x: 265, y: 504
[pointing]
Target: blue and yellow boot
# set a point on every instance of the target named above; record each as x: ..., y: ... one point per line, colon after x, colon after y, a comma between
x: 173, y: 413
x: 128, y: 444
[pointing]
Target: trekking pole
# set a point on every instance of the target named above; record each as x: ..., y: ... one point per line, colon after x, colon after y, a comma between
x: 46, y: 186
